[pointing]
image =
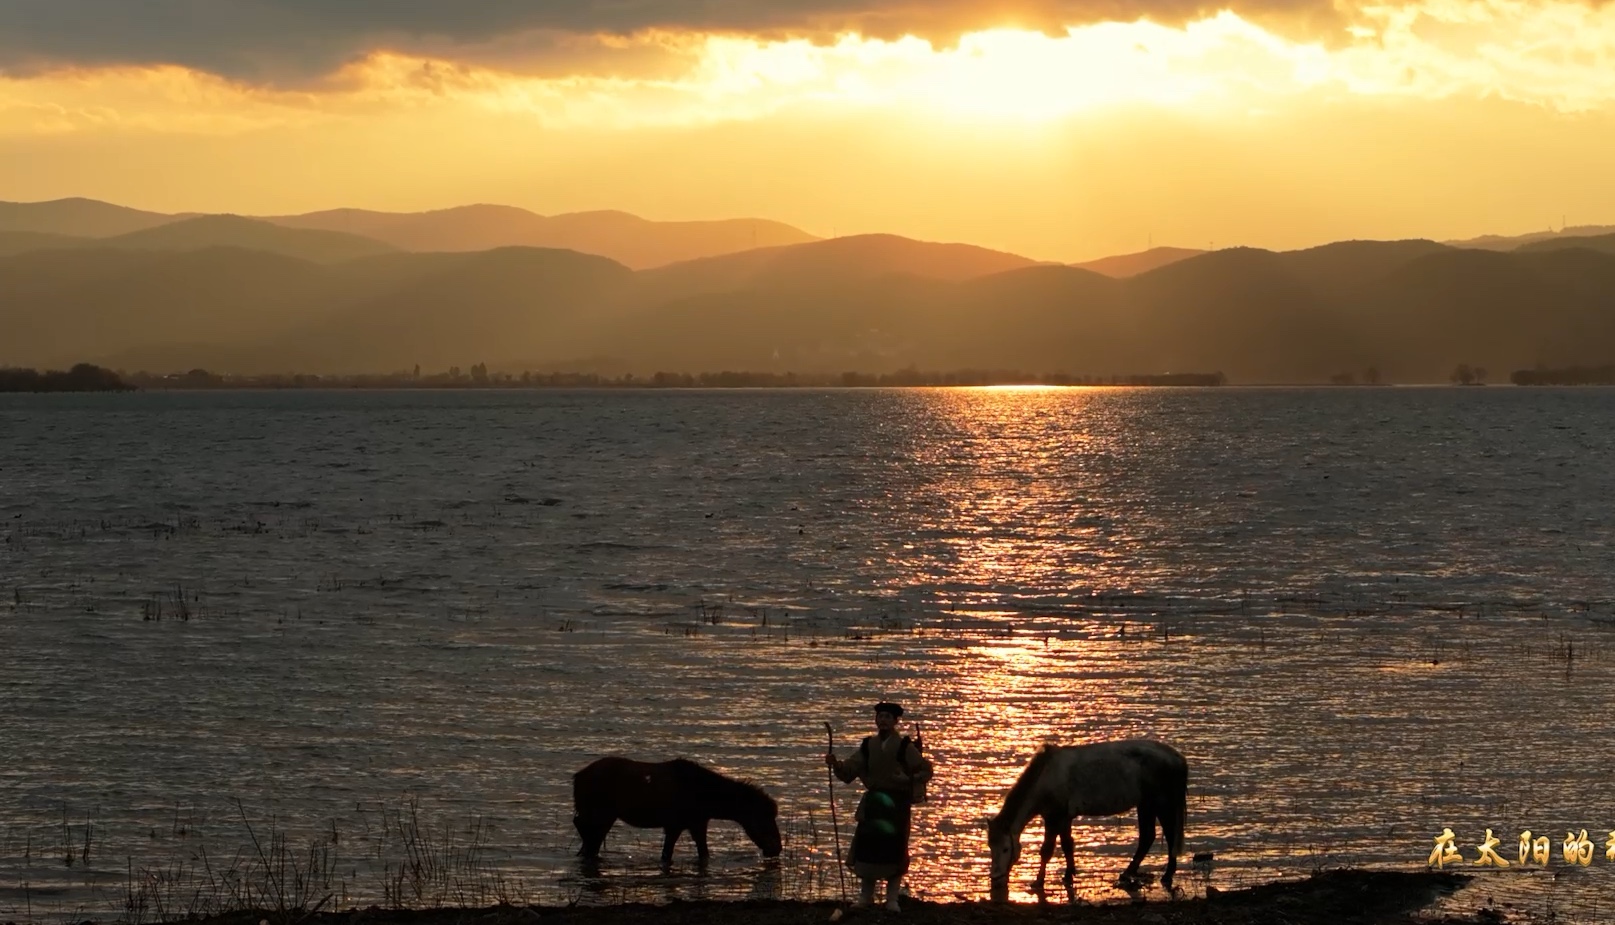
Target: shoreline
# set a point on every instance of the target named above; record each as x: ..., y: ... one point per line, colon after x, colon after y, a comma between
x: 645, y: 386
x: 1345, y: 896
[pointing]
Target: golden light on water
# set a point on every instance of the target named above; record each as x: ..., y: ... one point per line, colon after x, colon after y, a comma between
x: 1003, y: 513
x: 1022, y: 387
x: 1009, y: 512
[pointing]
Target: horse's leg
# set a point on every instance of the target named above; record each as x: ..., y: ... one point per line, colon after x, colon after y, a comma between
x: 698, y: 832
x: 593, y: 831
x: 1047, y: 851
x: 1067, y: 846
x: 583, y: 833
x: 1146, y: 837
x: 670, y: 837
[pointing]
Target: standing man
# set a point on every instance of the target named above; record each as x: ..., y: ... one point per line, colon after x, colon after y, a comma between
x: 891, y: 769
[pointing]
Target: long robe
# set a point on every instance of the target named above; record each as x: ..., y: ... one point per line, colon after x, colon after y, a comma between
x: 880, y: 841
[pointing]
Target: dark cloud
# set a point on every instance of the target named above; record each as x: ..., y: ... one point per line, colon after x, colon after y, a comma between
x: 295, y: 40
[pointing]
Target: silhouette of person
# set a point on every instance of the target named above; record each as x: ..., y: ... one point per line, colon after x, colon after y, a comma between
x: 891, y: 768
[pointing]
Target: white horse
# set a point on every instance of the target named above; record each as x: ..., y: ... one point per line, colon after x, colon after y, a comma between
x: 1101, y: 779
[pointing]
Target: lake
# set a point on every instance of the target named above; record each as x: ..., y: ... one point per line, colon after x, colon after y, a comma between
x: 367, y: 637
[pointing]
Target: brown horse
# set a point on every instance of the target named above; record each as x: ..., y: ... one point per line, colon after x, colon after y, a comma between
x: 673, y: 796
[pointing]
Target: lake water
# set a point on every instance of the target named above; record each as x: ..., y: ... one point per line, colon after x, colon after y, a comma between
x: 356, y: 643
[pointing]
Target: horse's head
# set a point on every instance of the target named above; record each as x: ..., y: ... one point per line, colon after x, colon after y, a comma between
x: 1005, y: 845
x: 761, y: 825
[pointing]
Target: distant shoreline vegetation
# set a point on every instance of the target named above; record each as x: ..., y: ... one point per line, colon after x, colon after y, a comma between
x: 1567, y: 375
x: 87, y: 377
x: 84, y: 377
x: 480, y: 378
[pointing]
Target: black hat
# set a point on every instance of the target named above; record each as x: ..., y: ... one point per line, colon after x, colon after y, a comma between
x: 892, y: 708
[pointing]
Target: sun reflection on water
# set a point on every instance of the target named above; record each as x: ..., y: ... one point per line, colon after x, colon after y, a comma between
x: 1002, y: 511
x: 1023, y: 387
x: 1019, y: 471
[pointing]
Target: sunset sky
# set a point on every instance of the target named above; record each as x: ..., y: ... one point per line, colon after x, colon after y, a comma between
x: 1059, y: 129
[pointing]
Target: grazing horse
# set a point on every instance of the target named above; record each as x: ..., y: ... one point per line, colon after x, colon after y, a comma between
x: 674, y: 796
x: 1100, y: 779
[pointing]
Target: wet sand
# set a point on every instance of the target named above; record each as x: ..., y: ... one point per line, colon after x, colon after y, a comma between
x: 1341, y: 897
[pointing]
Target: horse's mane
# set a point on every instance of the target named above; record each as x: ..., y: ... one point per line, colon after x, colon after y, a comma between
x: 709, y: 783
x: 1026, y: 784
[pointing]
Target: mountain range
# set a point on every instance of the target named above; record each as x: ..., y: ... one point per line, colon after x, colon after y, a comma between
x: 341, y: 234
x: 351, y: 291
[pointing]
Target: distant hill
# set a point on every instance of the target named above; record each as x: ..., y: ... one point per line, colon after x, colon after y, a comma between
x: 1597, y: 242
x: 178, y: 311
x: 209, y: 231
x: 500, y: 307
x: 1496, y: 242
x: 1124, y: 265
x: 87, y: 218
x: 1408, y: 310
x: 18, y: 242
x: 625, y: 238
x: 1077, y: 316
x: 1497, y: 310
x: 1342, y: 264
x: 1257, y: 315
x: 252, y: 234
x: 854, y: 302
x: 1266, y: 315
x: 833, y: 323
x: 1371, y: 253
x: 60, y: 306
x: 241, y: 310
x: 852, y: 257
x: 628, y: 239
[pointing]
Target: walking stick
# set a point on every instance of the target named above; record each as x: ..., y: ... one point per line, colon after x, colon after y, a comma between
x: 835, y: 827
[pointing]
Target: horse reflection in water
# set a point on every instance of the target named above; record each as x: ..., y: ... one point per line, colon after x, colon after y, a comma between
x: 675, y: 796
x: 1100, y: 779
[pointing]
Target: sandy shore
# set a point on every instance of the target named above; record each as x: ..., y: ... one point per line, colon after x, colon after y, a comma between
x: 1342, y: 897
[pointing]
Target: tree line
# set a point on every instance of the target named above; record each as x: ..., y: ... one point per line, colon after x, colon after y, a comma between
x: 84, y: 377
x: 479, y: 377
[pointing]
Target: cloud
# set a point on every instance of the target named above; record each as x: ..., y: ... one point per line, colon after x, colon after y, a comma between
x: 1550, y: 53
x: 290, y: 41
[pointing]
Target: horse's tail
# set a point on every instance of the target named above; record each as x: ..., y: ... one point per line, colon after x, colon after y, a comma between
x: 1182, y: 787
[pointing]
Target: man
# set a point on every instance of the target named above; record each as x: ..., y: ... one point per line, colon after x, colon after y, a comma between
x: 891, y: 769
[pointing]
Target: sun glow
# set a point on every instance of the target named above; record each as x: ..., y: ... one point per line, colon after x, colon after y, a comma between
x: 1552, y: 53
x: 1097, y: 139
x: 1026, y: 75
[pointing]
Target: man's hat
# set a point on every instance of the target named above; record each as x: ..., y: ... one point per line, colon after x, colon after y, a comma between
x: 892, y: 708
